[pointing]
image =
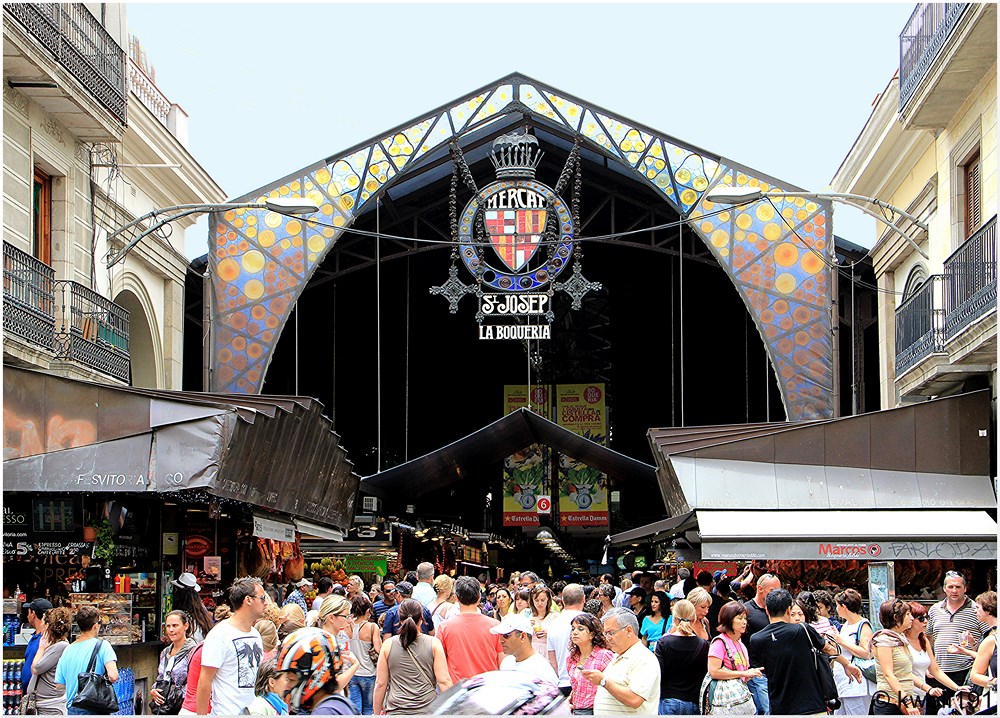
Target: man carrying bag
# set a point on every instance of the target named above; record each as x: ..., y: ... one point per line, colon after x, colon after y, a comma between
x: 88, y: 668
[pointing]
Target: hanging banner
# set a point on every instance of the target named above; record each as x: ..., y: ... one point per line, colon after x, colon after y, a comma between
x: 527, y: 474
x: 583, y: 491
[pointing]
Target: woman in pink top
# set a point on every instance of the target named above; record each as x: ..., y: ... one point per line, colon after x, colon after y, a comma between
x: 190, y: 705
x: 588, y: 650
x: 727, y: 656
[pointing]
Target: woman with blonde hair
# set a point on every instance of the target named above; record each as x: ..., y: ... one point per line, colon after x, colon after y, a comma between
x: 269, y: 637
x: 683, y: 657
x: 291, y: 612
x: 702, y: 601
x: 444, y: 587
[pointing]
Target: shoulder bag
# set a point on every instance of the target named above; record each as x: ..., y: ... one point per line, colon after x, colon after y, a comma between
x: 173, y: 693
x: 865, y: 665
x: 95, y: 692
x: 725, y: 697
x: 827, y: 684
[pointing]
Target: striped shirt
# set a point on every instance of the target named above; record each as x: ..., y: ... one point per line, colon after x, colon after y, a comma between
x: 946, y: 628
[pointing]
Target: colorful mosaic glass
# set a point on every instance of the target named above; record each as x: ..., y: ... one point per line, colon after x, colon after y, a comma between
x: 775, y: 251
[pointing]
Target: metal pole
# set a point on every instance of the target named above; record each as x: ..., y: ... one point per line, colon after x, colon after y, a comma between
x: 680, y: 259
x: 206, y: 330
x: 378, y: 330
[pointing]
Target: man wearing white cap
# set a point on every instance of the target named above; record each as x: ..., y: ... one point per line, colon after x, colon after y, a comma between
x: 298, y: 596
x: 515, y: 633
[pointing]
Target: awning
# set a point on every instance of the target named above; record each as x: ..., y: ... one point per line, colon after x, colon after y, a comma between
x: 660, y: 530
x: 278, y: 453
x: 493, y: 443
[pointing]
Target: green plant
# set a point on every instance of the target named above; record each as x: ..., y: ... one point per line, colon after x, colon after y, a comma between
x: 104, y: 547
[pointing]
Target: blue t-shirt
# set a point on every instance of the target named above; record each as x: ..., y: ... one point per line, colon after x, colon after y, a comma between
x: 75, y: 660
x: 391, y: 624
x: 652, y: 631
x: 29, y: 655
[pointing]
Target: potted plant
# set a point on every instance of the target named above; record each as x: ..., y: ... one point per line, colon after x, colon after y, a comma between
x: 104, y: 545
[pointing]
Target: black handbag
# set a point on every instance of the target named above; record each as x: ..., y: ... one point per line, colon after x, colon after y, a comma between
x: 821, y: 664
x: 95, y: 692
x: 173, y: 697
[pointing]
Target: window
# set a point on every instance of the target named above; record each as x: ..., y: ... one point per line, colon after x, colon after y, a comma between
x: 41, y: 205
x: 973, y: 194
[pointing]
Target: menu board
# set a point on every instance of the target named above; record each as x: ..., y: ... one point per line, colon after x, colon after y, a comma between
x: 116, y: 616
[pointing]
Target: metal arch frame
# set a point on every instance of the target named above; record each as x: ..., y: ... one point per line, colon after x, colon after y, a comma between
x: 685, y: 175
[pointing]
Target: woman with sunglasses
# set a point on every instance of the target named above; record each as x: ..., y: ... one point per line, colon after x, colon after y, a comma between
x: 334, y: 618
x: 588, y: 651
x: 170, y: 685
x: 922, y: 652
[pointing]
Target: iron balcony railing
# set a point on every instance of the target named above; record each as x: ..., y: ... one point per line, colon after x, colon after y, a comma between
x: 81, y: 45
x: 920, y: 42
x: 970, y: 276
x: 919, y: 325
x: 29, y: 306
x: 93, y: 330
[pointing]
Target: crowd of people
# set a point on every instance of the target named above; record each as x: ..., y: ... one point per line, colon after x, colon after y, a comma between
x: 702, y: 644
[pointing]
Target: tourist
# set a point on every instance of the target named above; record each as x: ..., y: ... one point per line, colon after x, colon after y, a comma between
x: 221, y: 613
x: 527, y: 580
x: 896, y: 684
x: 784, y: 650
x: 269, y: 688
x: 921, y: 653
x: 608, y: 579
x: 390, y: 624
x: 541, y: 617
x: 594, y: 607
x: 588, y: 651
x: 365, y: 641
x: 170, y: 685
x: 35, y: 617
x: 297, y: 597
x: 190, y: 704
x: 515, y: 633
x: 757, y: 619
x: 706, y: 581
x: 653, y: 625
x: 268, y: 637
x: 469, y: 647
x: 287, y: 628
x: 502, y: 603
x: 854, y: 639
x: 410, y: 666
x: 631, y: 681
x: 324, y: 588
x: 827, y: 607
x: 677, y: 590
x: 953, y: 622
x: 76, y: 657
x: 635, y: 598
x: 42, y: 692
x: 388, y: 598
x: 702, y: 602
x: 355, y: 587
x: 606, y: 595
x: 423, y: 589
x: 797, y: 615
x: 559, y: 634
x: 683, y: 658
x: 522, y: 601
x: 440, y: 608
x: 728, y: 657
x: 312, y: 657
x: 232, y: 652
x: 185, y: 598
x: 984, y: 666
x: 335, y: 618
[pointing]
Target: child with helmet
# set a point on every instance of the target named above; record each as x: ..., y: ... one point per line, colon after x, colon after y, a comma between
x: 313, y: 657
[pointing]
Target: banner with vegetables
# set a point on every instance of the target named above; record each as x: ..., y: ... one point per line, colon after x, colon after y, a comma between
x: 528, y: 473
x: 583, y: 490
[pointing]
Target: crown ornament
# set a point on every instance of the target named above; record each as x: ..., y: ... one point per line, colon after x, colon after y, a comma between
x: 516, y: 156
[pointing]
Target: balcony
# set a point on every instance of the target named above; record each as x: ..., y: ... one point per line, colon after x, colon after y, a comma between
x: 945, y: 50
x: 93, y: 330
x: 148, y: 93
x: 59, y: 43
x: 946, y: 332
x: 28, y: 298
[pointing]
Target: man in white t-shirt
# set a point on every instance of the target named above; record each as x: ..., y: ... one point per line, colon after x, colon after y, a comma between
x: 558, y: 634
x: 515, y: 638
x: 423, y: 589
x: 232, y: 653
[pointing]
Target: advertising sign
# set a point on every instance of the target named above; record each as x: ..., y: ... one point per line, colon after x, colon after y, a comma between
x: 583, y: 490
x: 527, y: 475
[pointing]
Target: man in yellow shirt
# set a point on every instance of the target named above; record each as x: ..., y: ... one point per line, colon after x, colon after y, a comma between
x: 631, y: 682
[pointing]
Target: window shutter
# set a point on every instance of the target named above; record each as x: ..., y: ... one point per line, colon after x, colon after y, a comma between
x: 973, y: 196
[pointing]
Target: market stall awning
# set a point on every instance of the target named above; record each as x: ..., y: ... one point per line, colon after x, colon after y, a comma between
x: 278, y: 453
x: 491, y: 444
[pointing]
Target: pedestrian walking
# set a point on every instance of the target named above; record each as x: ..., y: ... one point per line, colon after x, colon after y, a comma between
x: 314, y: 660
x: 654, y: 623
x: 423, y: 589
x: 42, y: 693
x: 298, y: 598
x: 390, y: 624
x: 324, y: 588
x: 184, y: 591
x: 269, y: 689
x: 683, y: 658
x: 541, y: 617
x: 757, y: 619
x: 984, y: 666
x: 232, y: 653
x: 167, y: 693
x: 784, y: 650
x: 588, y: 651
x: 388, y: 598
x: 729, y: 666
x: 503, y: 602
x: 706, y: 581
x: 268, y: 637
x: 410, y: 666
x: 469, y: 646
x: 558, y: 642
x: 631, y: 682
x: 36, y: 611
x: 678, y: 590
x: 440, y: 608
x: 953, y: 622
x: 702, y: 602
x: 921, y: 654
x: 76, y: 658
x: 365, y: 642
x: 515, y: 633
x: 896, y: 683
x: 855, y: 637
x: 522, y: 601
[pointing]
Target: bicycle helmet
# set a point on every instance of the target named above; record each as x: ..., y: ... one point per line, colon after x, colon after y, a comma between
x: 313, y: 656
x: 500, y: 693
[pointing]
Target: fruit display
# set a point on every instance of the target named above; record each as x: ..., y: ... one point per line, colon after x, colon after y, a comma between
x: 335, y: 569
